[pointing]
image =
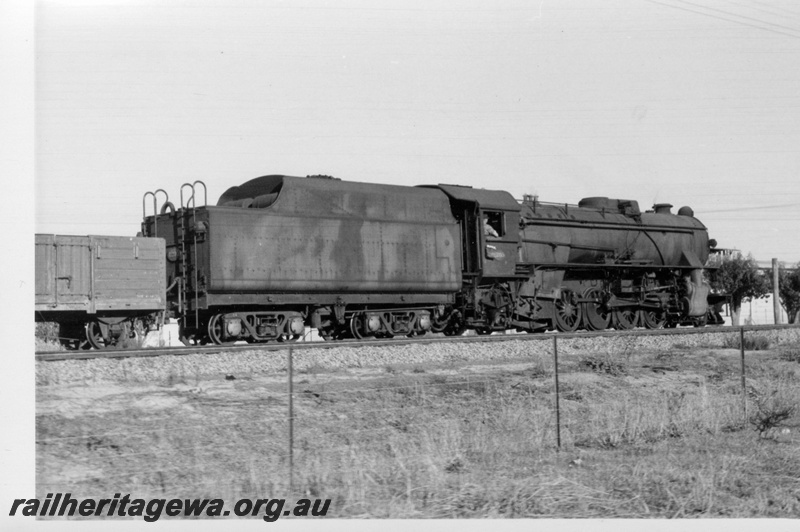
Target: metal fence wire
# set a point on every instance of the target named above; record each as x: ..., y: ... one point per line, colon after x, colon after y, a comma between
x: 412, y: 419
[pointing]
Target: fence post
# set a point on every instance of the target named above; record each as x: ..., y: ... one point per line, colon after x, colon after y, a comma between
x: 558, y: 409
x: 744, y: 385
x: 291, y: 422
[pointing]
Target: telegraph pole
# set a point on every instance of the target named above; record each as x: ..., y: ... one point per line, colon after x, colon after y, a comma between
x: 776, y: 300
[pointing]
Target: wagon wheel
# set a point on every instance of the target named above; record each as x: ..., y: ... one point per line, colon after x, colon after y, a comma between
x: 624, y: 319
x: 567, y: 311
x: 94, y: 334
x: 595, y: 316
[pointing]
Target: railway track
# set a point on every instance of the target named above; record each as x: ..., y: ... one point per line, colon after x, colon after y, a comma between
x: 50, y: 356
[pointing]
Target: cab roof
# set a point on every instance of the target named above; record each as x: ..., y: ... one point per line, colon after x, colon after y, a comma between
x: 486, y: 199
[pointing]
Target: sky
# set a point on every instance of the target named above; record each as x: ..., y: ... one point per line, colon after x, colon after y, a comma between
x: 685, y: 102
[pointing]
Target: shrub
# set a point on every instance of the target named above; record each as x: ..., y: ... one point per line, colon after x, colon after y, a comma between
x: 771, y: 415
x: 751, y: 343
x: 47, y: 331
x: 603, y: 364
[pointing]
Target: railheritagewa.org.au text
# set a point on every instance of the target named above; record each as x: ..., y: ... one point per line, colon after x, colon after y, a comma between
x: 64, y: 505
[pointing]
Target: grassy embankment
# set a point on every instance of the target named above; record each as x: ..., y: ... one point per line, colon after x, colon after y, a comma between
x: 645, y: 434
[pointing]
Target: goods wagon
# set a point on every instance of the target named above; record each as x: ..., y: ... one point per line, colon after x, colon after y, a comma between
x: 101, y: 290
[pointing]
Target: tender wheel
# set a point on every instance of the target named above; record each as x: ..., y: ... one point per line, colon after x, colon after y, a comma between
x: 440, y: 325
x: 357, y: 327
x: 625, y: 319
x: 455, y: 331
x: 454, y: 325
x: 567, y: 311
x: 595, y: 316
x: 215, y: 332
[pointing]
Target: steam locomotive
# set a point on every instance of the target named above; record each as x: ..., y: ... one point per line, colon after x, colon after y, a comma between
x: 280, y: 254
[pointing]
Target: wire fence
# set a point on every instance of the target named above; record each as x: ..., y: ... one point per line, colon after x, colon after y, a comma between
x: 322, y: 431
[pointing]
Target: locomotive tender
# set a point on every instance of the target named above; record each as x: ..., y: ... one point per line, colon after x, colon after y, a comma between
x: 278, y: 254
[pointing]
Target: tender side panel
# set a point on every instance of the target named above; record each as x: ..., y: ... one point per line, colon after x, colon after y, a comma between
x: 336, y: 237
x: 260, y: 251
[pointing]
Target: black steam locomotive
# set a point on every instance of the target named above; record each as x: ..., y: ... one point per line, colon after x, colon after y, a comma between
x: 279, y: 254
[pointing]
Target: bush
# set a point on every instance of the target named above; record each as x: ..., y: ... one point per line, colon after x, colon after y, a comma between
x: 47, y: 337
x: 603, y: 364
x: 47, y: 331
x: 751, y: 343
x: 772, y: 413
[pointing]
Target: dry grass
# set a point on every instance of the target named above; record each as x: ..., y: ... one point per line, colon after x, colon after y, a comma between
x: 663, y: 435
x: 47, y: 337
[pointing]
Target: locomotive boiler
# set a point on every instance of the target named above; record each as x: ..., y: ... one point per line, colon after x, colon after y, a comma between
x: 605, y: 263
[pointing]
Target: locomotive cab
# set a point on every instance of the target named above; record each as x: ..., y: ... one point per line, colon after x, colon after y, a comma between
x: 489, y: 222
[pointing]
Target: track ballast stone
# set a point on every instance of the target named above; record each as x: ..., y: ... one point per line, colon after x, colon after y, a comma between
x: 169, y: 369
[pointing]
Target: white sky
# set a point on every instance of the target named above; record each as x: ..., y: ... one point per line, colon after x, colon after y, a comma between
x: 687, y: 102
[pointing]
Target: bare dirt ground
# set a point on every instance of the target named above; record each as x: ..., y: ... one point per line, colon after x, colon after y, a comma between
x: 645, y: 432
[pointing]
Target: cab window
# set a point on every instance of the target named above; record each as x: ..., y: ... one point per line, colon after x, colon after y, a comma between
x: 493, y: 224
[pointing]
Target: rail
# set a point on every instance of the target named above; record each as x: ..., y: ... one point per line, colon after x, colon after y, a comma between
x: 49, y: 356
